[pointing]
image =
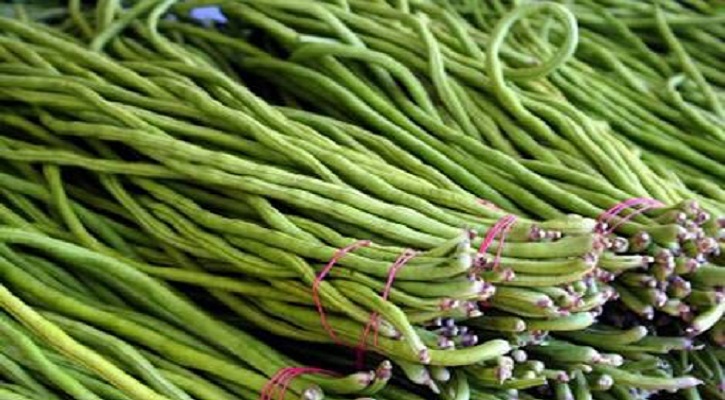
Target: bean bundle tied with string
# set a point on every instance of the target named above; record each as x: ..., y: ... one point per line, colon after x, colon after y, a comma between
x: 359, y: 200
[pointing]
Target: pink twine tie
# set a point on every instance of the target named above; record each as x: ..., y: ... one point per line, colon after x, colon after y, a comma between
x: 284, y: 377
x: 318, y: 280
x: 501, y: 226
x: 504, y: 233
x: 606, y: 217
x: 374, y: 321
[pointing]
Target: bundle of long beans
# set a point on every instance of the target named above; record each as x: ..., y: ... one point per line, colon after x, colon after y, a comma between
x: 358, y: 214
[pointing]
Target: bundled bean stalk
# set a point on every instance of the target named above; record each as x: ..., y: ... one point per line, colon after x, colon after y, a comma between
x: 246, y: 257
x: 341, y: 50
x: 262, y: 197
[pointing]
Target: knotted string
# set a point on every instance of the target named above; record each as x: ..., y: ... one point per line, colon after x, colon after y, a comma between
x: 318, y: 281
x: 504, y: 233
x: 606, y: 217
x: 374, y: 321
x: 500, y: 227
x: 284, y: 377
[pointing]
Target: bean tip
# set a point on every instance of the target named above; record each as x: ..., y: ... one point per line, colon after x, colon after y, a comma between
x: 424, y: 356
x: 519, y: 355
x: 508, y: 275
x: 562, y: 377
x: 469, y: 340
x: 365, y: 378
x: 433, y: 386
x: 448, y: 303
x: 544, y: 303
x: 312, y: 393
x: 487, y: 290
x: 503, y: 373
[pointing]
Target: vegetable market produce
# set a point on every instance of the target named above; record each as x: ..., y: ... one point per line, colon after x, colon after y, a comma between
x: 361, y: 200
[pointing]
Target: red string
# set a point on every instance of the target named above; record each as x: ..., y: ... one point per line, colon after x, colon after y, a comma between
x: 491, y: 235
x: 318, y: 280
x: 608, y: 215
x: 407, y: 255
x: 374, y: 321
x: 623, y: 205
x: 360, y: 351
x: 632, y: 215
x: 497, y: 228
x: 298, y: 372
x: 284, y: 377
x: 506, y: 228
x: 268, y: 388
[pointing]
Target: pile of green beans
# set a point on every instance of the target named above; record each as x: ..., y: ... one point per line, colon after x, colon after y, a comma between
x: 652, y: 71
x: 348, y: 65
x: 158, y: 187
x: 705, y: 363
x: 88, y: 335
x: 305, y: 55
